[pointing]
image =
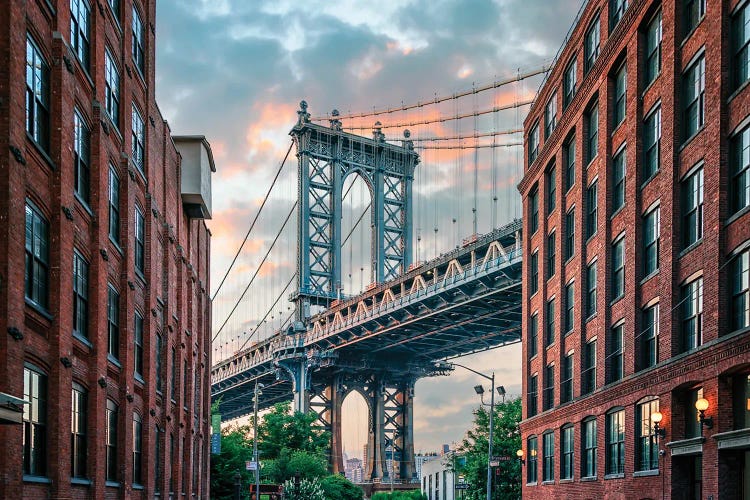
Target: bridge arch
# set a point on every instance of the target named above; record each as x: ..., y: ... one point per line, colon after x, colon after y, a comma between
x: 357, y: 232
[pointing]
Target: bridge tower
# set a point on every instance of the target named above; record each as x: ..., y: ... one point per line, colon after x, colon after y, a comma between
x: 326, y: 156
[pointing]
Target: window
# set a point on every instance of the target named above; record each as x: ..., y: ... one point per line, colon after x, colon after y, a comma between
x: 533, y: 143
x: 113, y: 323
x: 37, y: 256
x: 550, y: 322
x: 616, y: 367
x: 111, y: 457
x: 694, y: 87
x: 653, y: 49
x: 588, y: 448
x: 548, y: 465
x: 618, y: 180
x: 591, y: 209
x: 617, y: 10
x: 534, y: 210
x: 534, y: 271
x: 81, y: 156
x: 651, y: 227
x: 37, y: 95
x: 138, y: 53
x: 551, y: 189
x: 138, y: 345
x: 740, y: 287
x: 615, y: 442
x: 692, y: 315
x: 570, y: 229
x: 34, y: 422
x: 159, y: 363
x: 591, y: 289
x: 741, y: 45
x: 591, y: 45
x: 739, y: 188
x: 138, y: 139
x: 531, y: 467
x: 693, y: 427
x: 618, y: 268
x: 569, y: 155
x: 740, y: 398
x: 115, y: 6
x: 184, y: 384
x: 588, y: 372
x: 647, y: 450
x: 114, y: 205
x: 621, y: 88
x: 533, y: 334
x: 550, y: 116
x: 79, y: 413
x: 533, y: 395
x: 569, y: 307
x: 549, y: 387
x: 694, y: 10
x: 111, y: 89
x: 649, y: 337
x: 566, y: 438
x: 569, y: 82
x: 157, y: 461
x: 566, y: 384
x: 651, y: 144
x: 80, y: 296
x: 137, y: 449
x: 173, y: 376
x: 80, y: 29
x: 692, y: 208
x: 140, y: 241
x: 591, y: 121
x: 550, y: 255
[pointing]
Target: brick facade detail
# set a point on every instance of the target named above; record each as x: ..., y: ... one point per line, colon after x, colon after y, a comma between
x: 723, y: 356
x: 171, y: 294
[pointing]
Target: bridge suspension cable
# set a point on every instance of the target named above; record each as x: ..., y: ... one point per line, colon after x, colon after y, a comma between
x: 270, y: 309
x: 460, y: 137
x: 437, y: 100
x: 443, y: 119
x: 473, y: 146
x: 268, y: 252
x: 252, y: 225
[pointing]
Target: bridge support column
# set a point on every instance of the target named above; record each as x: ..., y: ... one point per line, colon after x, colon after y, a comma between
x: 405, y: 432
x: 376, y: 432
x: 296, y: 369
x: 335, y: 394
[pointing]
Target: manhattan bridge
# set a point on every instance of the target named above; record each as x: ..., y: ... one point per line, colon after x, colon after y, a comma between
x: 418, y: 305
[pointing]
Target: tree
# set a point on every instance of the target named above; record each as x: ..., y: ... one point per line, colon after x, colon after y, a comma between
x: 306, y: 489
x: 337, y: 487
x: 506, y: 479
x: 400, y: 495
x: 290, y: 462
x: 281, y: 429
x: 236, y: 449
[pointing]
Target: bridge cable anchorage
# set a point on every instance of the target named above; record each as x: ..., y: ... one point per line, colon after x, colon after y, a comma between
x: 252, y: 225
x: 443, y: 119
x: 473, y: 146
x: 257, y: 327
x: 437, y: 100
x: 461, y: 137
x: 276, y: 238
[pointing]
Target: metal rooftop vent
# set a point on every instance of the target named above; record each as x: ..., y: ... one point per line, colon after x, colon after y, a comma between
x: 197, y: 166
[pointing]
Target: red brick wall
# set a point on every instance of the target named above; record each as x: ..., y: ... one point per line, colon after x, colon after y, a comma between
x: 723, y: 352
x: 176, y: 280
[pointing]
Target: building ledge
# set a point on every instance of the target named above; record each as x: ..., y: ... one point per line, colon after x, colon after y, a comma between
x: 614, y: 476
x: 36, y: 479
x: 589, y: 478
x: 80, y: 481
x: 692, y: 446
x: 733, y: 439
x: 646, y: 473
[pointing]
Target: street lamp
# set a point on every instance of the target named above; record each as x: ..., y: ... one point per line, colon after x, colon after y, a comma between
x: 501, y: 392
x: 702, y: 405
x: 257, y: 392
x: 480, y: 390
x: 519, y: 454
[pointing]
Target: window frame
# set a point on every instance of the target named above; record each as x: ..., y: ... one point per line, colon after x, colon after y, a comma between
x: 692, y: 213
x: 591, y: 121
x: 654, y: 29
x: 652, y: 143
x: 615, y: 452
x: 649, y: 343
x: 619, y: 174
x: 80, y: 295
x: 567, y: 447
x: 588, y: 447
x: 548, y: 456
x: 566, y: 378
x: 138, y: 52
x: 534, y: 272
x: 646, y: 449
x: 592, y: 209
x: 739, y: 169
x: 592, y: 44
x: 617, y: 271
x: 696, y: 82
x: 533, y: 334
x: 616, y: 371
x: 81, y: 157
x: 569, y: 307
x: 138, y: 350
x: 651, y: 228
x: 617, y: 9
x: 79, y: 444
x: 35, y: 438
x: 551, y: 253
x: 620, y: 95
x: 113, y: 323
x: 551, y: 183
x: 111, y: 420
x: 692, y: 20
x: 111, y: 88
x: 739, y: 290
x: 114, y: 205
x: 570, y: 233
x: 588, y: 371
x: 80, y: 32
x: 533, y: 396
x: 139, y: 241
x: 570, y: 81
x: 533, y: 143
x: 38, y: 125
x: 37, y: 259
x: 532, y: 468
x: 548, y: 391
x: 691, y: 313
x: 591, y: 288
x: 550, y: 322
x: 569, y: 160
x: 550, y: 116
x: 137, y: 449
x: 740, y: 48
x: 534, y: 209
x: 138, y: 139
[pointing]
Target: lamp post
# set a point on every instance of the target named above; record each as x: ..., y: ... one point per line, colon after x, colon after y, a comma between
x: 480, y: 390
x: 257, y: 392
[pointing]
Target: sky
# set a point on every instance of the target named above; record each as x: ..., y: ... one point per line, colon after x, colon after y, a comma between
x: 236, y: 70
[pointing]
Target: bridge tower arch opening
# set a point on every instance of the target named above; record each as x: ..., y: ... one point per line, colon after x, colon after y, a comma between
x: 355, y: 415
x: 358, y: 268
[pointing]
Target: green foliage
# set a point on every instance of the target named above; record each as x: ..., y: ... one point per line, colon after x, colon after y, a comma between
x: 400, y: 495
x: 337, y: 487
x: 507, y: 440
x: 281, y: 429
x: 236, y: 449
x: 307, y: 489
x: 289, y: 462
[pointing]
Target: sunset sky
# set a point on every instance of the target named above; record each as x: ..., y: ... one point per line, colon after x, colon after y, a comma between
x: 235, y: 71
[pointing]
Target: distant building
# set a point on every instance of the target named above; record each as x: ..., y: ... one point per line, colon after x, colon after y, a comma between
x: 420, y: 459
x: 353, y: 470
x: 437, y: 478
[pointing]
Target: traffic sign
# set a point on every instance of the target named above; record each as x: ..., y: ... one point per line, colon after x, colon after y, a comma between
x: 216, y: 444
x: 251, y: 465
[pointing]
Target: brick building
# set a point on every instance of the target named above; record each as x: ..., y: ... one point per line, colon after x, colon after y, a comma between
x: 104, y: 259
x: 636, y: 295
